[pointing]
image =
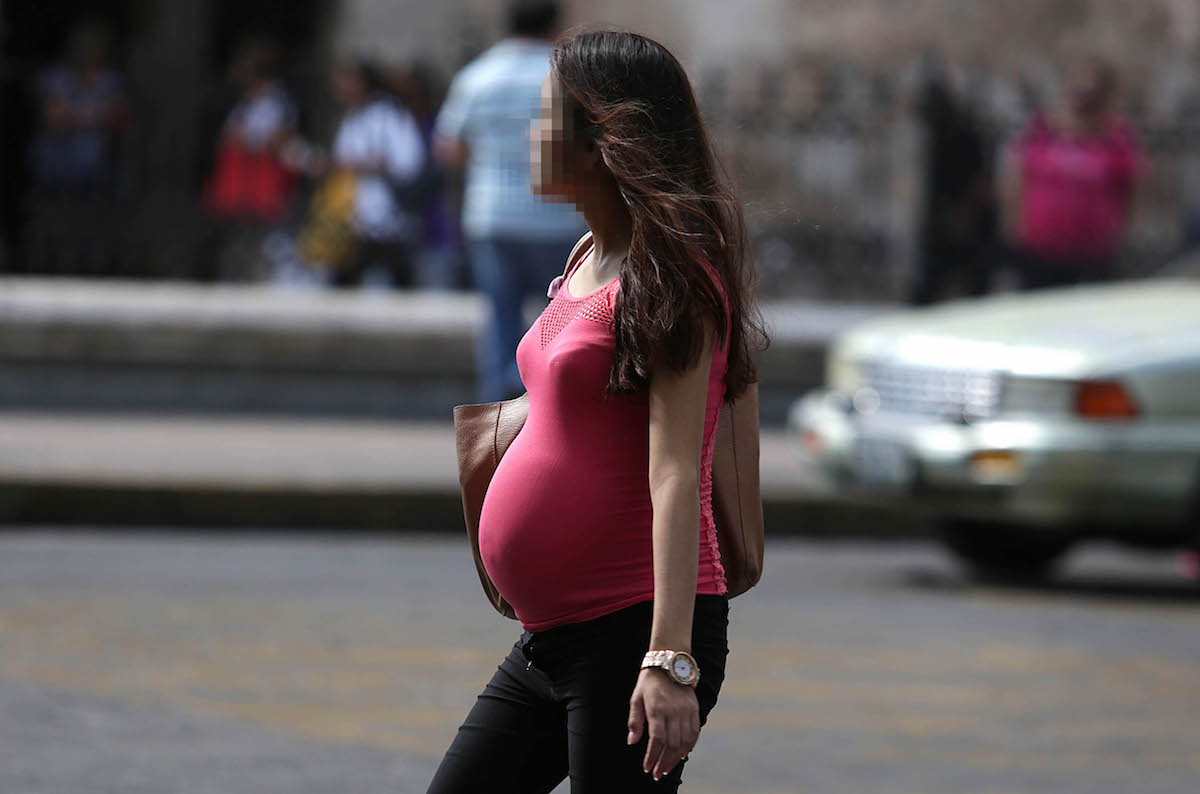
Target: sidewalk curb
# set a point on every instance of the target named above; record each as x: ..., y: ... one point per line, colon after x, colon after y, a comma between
x: 383, y: 510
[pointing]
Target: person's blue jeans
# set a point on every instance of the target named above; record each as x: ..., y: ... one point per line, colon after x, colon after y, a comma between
x: 558, y: 706
x: 507, y: 271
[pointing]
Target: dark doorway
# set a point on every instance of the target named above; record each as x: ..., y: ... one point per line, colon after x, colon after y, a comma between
x: 173, y: 57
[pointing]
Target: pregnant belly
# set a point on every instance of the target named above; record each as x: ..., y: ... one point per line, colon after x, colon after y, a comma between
x: 551, y: 535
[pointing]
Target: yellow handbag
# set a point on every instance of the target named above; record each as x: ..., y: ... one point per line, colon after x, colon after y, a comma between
x: 328, y: 239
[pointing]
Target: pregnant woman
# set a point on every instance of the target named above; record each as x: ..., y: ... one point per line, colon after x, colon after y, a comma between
x: 597, y: 526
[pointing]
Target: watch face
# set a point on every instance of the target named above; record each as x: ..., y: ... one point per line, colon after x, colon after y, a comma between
x: 683, y: 668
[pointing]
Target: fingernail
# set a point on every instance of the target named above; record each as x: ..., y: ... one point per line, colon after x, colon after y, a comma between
x: 629, y: 738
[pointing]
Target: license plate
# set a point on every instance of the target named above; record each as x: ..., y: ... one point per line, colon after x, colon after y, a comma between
x: 883, y: 462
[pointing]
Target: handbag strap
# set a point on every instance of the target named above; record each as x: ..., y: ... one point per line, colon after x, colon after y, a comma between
x: 577, y: 254
x: 582, y: 247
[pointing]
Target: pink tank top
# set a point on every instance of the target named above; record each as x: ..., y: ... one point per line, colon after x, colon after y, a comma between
x: 565, y: 530
x: 1076, y: 192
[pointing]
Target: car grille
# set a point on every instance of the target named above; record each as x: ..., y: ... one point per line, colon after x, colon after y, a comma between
x: 933, y: 391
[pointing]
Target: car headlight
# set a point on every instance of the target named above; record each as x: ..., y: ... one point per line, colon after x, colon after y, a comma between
x: 843, y: 374
x: 1039, y: 396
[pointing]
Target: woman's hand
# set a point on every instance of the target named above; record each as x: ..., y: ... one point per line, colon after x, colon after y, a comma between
x: 673, y: 714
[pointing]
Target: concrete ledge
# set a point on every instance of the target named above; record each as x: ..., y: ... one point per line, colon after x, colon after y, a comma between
x: 74, y: 344
x: 135, y: 322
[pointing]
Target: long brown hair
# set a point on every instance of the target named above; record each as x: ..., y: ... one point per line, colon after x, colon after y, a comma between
x: 632, y: 97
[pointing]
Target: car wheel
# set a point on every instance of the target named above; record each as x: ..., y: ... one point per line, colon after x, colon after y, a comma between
x: 1003, y: 552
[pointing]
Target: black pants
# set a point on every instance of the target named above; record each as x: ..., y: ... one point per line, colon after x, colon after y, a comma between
x: 395, y: 256
x: 942, y: 266
x: 558, y: 705
x: 1038, y: 272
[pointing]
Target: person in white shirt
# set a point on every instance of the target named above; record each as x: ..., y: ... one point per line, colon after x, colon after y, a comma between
x: 380, y: 142
x: 516, y: 243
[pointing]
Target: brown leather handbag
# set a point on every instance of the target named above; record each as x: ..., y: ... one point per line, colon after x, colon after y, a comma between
x: 484, y: 431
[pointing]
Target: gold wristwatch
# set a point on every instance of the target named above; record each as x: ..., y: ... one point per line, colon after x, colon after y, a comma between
x: 680, y: 665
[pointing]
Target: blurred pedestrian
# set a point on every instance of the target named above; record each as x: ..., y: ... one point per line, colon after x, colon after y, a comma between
x: 597, y: 527
x: 958, y: 225
x: 515, y: 244
x: 376, y: 152
x: 1069, y: 181
x: 73, y: 158
x: 438, y: 251
x: 252, y: 186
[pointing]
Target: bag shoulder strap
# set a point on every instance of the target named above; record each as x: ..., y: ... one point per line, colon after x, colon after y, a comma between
x: 574, y: 259
x: 577, y: 253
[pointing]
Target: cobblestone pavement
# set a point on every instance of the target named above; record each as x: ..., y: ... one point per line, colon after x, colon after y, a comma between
x: 249, y: 664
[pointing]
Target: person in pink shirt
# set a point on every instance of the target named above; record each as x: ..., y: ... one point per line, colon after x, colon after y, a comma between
x: 597, y: 526
x: 1069, y: 181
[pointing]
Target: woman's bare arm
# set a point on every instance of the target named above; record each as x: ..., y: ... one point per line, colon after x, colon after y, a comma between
x: 677, y: 403
x: 677, y: 407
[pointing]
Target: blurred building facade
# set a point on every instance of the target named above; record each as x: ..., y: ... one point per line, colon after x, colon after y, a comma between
x: 810, y: 99
x: 812, y: 103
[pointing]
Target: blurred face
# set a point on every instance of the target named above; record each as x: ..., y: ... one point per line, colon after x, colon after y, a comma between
x: 560, y: 165
x: 1088, y: 86
x: 348, y: 88
x: 88, y: 48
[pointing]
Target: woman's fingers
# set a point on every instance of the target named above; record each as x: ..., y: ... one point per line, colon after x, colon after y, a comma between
x: 674, y: 749
x: 637, y: 717
x: 682, y: 732
x: 657, y: 743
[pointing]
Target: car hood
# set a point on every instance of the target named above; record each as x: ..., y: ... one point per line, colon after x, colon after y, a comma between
x: 1072, y: 332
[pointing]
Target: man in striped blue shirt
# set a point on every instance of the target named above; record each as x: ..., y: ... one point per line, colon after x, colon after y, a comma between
x: 516, y: 242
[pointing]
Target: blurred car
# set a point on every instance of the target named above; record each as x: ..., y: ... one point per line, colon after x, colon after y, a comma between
x: 1023, y: 423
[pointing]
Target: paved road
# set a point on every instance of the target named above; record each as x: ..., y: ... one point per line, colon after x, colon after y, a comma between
x: 252, y: 664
